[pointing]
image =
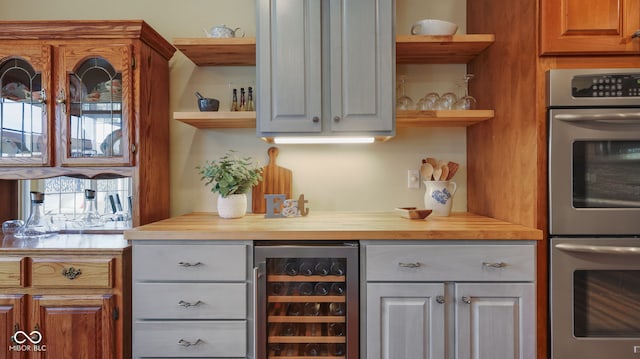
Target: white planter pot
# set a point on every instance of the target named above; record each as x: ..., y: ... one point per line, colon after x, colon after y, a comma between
x: 232, y: 206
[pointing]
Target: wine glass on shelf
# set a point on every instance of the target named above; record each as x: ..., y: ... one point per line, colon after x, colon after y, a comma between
x: 467, y: 102
x: 427, y: 102
x: 446, y: 101
x: 403, y: 102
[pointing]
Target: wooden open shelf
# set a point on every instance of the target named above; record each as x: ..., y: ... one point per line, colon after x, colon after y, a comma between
x: 455, y: 49
x: 212, y: 120
x: 440, y: 118
x: 237, y: 51
x: 410, y: 49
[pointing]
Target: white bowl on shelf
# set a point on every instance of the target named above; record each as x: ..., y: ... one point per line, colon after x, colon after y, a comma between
x: 434, y: 27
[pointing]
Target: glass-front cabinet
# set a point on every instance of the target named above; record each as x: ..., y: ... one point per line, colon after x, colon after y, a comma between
x: 25, y: 125
x: 86, y: 99
x: 95, y: 94
x: 91, y: 108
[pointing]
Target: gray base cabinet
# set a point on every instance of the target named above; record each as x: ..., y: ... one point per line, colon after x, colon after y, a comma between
x: 457, y: 300
x: 192, y: 299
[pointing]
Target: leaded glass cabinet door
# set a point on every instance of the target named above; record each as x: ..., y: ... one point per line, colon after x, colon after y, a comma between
x: 95, y: 94
x: 25, y: 124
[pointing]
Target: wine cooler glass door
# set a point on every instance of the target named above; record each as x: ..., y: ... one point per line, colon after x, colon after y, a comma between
x: 307, y: 302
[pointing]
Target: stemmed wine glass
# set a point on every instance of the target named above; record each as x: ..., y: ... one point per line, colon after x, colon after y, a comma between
x: 446, y: 101
x: 403, y: 102
x: 428, y: 101
x: 466, y: 102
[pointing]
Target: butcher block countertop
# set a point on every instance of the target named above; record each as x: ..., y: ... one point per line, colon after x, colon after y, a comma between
x: 332, y: 226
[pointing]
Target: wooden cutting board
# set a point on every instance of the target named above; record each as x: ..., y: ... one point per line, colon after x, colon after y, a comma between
x: 275, y: 180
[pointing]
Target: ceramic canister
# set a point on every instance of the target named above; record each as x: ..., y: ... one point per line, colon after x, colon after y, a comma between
x: 438, y: 196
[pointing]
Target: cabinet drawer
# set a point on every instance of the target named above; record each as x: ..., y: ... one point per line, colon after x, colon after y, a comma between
x: 180, y: 339
x: 11, y: 270
x: 197, y: 262
x: 450, y: 262
x: 77, y: 273
x: 190, y: 301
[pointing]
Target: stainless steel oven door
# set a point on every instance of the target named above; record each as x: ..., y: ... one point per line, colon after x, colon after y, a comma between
x: 594, y: 171
x: 595, y: 298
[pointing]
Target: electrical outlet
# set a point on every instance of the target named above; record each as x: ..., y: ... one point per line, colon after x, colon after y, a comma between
x: 413, y: 179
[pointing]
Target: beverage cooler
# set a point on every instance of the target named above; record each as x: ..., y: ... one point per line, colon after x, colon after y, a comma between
x: 307, y: 300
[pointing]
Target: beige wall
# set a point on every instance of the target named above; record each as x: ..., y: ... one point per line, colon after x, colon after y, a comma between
x: 332, y: 177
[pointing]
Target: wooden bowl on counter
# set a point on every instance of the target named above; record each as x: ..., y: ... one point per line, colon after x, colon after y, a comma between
x: 413, y: 212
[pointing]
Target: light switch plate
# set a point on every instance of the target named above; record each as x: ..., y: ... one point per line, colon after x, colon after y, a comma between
x: 413, y: 179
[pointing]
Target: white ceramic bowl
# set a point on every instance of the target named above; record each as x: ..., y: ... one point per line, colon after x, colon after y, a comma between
x: 433, y: 27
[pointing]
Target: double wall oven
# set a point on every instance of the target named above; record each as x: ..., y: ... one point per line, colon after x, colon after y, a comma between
x: 594, y: 212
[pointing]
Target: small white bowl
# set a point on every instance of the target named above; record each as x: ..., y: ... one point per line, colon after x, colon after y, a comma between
x: 434, y: 27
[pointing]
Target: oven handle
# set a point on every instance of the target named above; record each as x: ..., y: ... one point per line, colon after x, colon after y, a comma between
x: 583, y: 248
x: 615, y: 118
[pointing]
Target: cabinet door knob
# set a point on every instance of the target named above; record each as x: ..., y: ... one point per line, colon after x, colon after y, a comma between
x: 61, y: 98
x: 440, y: 299
x: 635, y: 34
x: 466, y: 299
x: 315, y: 119
x: 336, y: 119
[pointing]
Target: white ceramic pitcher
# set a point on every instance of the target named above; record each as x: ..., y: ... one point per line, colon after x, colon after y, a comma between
x: 438, y: 196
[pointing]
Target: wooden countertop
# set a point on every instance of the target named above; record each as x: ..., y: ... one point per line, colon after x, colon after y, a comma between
x: 332, y: 226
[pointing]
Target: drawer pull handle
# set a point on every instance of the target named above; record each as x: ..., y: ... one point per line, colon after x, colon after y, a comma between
x: 466, y: 299
x: 409, y: 265
x: 187, y: 304
x: 186, y: 343
x: 71, y: 273
x: 440, y: 299
x: 187, y: 264
x: 494, y: 264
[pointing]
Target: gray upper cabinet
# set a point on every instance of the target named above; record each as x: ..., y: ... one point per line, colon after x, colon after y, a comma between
x: 325, y: 67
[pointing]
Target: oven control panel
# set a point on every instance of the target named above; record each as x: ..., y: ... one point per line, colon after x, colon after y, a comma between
x: 606, y: 85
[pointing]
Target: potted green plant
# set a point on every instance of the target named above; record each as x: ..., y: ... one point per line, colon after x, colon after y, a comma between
x: 231, y: 177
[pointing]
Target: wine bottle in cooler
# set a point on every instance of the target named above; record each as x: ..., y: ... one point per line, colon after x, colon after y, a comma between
x: 306, y: 267
x: 322, y: 267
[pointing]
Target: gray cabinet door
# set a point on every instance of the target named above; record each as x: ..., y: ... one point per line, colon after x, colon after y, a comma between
x: 495, y: 320
x: 405, y: 320
x: 325, y: 67
x: 362, y: 74
x: 289, y: 66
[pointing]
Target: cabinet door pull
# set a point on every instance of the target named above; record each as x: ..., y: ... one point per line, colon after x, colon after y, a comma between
x: 186, y: 343
x: 635, y: 34
x: 187, y: 264
x: 315, y: 119
x: 440, y: 299
x: 71, y: 273
x: 409, y: 265
x: 494, y: 264
x: 188, y: 304
x: 466, y: 299
x: 61, y: 100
